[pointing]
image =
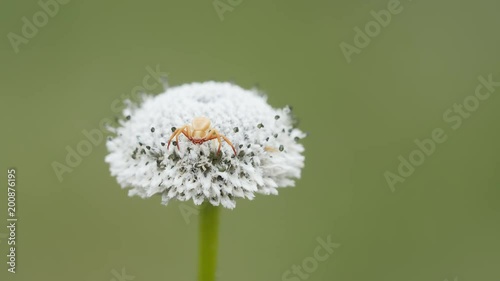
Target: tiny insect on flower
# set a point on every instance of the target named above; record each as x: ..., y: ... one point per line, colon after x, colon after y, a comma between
x: 267, y: 154
x: 198, y: 132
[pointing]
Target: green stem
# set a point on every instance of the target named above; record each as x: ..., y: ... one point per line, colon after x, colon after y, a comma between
x: 208, y: 242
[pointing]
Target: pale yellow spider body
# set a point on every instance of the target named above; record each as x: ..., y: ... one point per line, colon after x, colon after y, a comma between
x: 198, y: 132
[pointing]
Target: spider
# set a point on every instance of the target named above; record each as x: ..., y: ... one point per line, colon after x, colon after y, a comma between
x: 198, y: 132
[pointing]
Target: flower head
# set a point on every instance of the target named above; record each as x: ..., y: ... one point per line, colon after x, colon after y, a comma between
x: 268, y: 154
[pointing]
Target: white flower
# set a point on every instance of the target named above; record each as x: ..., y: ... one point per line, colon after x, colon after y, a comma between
x: 268, y: 152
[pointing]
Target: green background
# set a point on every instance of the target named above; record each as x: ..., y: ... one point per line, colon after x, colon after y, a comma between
x: 441, y: 223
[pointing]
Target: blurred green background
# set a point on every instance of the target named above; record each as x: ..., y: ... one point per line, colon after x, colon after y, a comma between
x: 441, y: 223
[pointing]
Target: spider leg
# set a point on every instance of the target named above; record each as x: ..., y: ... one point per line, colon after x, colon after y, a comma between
x: 176, y: 135
x: 219, y: 140
x: 210, y: 136
x: 219, y: 136
x: 213, y: 135
x: 230, y: 143
x: 186, y: 132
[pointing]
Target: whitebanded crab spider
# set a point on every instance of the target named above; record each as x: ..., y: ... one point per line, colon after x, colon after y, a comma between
x: 198, y: 132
